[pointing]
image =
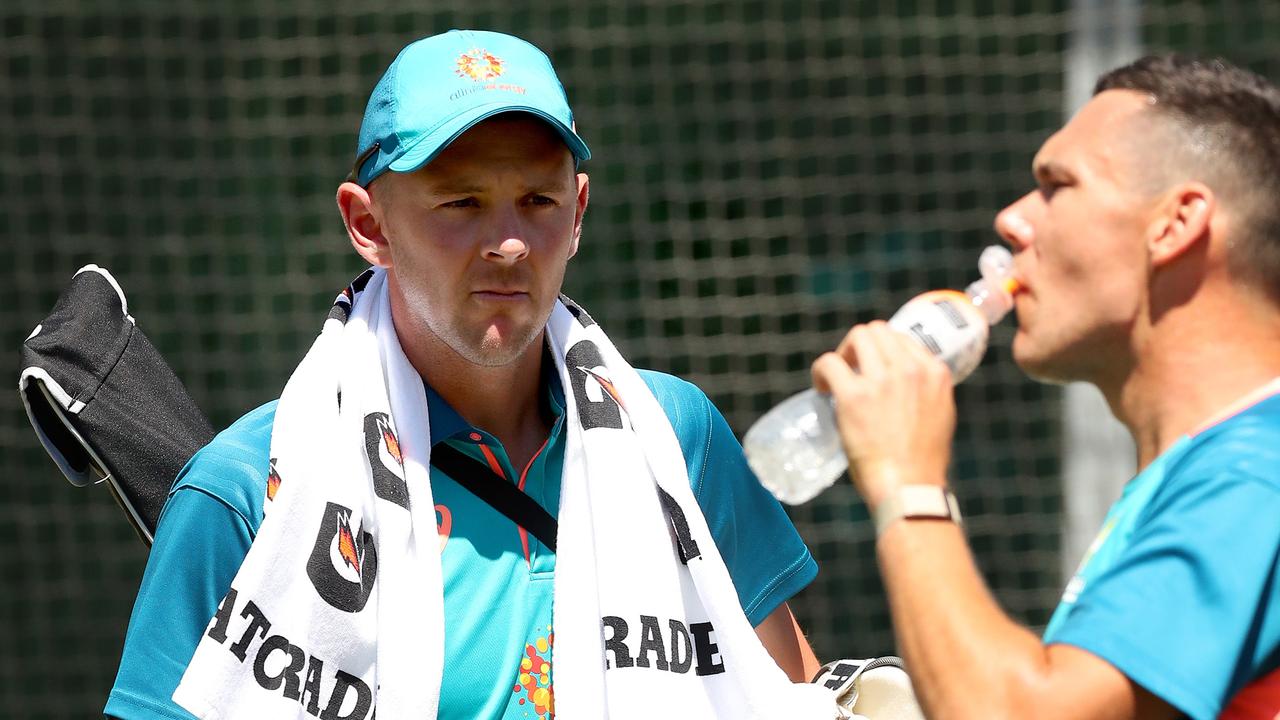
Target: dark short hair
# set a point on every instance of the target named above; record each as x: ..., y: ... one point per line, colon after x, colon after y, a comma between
x: 1241, y: 109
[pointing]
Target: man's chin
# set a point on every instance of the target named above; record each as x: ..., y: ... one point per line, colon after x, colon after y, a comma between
x: 1045, y: 374
x: 1036, y: 365
x: 496, y: 350
x: 1056, y: 368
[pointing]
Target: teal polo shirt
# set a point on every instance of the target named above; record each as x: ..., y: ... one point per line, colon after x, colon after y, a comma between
x: 1181, y: 589
x: 498, y: 580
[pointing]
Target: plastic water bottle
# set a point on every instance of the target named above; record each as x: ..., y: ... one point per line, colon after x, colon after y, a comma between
x: 795, y: 448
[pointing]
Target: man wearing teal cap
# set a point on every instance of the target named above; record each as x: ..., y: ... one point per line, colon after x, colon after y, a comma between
x: 465, y: 504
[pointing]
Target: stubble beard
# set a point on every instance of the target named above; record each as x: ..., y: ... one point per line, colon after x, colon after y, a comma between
x: 1044, y: 359
x: 1066, y: 358
x: 486, y: 349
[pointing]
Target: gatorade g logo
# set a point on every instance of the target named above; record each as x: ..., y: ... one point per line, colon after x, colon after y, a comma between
x: 386, y: 463
x: 597, y: 406
x: 273, y: 479
x: 344, y: 561
x: 604, y: 383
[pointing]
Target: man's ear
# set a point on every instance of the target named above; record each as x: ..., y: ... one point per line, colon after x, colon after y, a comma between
x: 1182, y: 220
x: 584, y: 191
x: 364, y: 226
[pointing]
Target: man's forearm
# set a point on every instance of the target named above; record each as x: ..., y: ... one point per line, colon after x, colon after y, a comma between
x: 966, y: 657
x: 785, y: 641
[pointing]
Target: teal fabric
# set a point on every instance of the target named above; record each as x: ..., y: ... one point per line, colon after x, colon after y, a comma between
x: 498, y: 604
x: 440, y: 86
x: 1181, y: 590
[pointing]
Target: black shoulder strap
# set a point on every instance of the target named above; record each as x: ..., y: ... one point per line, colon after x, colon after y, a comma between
x: 497, y: 491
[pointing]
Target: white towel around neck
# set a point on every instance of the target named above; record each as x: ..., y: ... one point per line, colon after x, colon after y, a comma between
x: 337, y: 610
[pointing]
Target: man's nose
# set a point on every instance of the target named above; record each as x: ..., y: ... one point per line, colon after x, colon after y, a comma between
x: 1013, y: 225
x: 508, y: 244
x: 509, y: 250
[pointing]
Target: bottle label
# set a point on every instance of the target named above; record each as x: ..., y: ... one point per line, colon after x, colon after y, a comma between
x: 947, y: 325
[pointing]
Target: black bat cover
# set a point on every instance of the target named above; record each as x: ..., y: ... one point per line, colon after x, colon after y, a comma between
x: 103, y: 402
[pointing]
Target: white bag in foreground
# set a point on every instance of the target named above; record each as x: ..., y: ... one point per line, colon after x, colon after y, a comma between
x: 873, y: 688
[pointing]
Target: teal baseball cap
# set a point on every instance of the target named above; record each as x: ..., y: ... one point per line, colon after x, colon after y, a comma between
x: 440, y: 86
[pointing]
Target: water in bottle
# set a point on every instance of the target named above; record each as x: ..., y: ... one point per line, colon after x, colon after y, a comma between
x: 795, y: 448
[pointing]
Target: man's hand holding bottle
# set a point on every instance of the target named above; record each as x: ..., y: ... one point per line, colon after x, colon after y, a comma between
x: 894, y: 408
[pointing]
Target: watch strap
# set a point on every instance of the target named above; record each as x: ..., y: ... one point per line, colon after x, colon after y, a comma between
x: 916, y: 501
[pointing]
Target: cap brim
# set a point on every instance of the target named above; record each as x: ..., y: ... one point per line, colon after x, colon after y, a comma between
x: 429, y: 146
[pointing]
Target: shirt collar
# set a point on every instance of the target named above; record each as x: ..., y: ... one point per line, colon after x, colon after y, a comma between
x: 446, y: 423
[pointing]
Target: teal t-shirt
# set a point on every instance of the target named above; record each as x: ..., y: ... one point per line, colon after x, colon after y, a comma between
x: 1181, y: 589
x: 498, y: 580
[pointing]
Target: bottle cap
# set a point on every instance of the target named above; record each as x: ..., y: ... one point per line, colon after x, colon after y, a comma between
x: 993, y: 294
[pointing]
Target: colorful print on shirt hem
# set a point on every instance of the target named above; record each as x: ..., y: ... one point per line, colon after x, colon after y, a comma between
x: 534, y: 678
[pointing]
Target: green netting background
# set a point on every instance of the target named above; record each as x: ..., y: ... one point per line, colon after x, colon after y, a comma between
x: 765, y: 174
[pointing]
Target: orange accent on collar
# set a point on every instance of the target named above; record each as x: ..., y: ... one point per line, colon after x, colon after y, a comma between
x: 497, y: 469
x: 492, y: 459
x: 524, y: 534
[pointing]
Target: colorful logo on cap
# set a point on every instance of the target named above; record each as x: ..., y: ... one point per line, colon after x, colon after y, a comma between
x: 479, y: 65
